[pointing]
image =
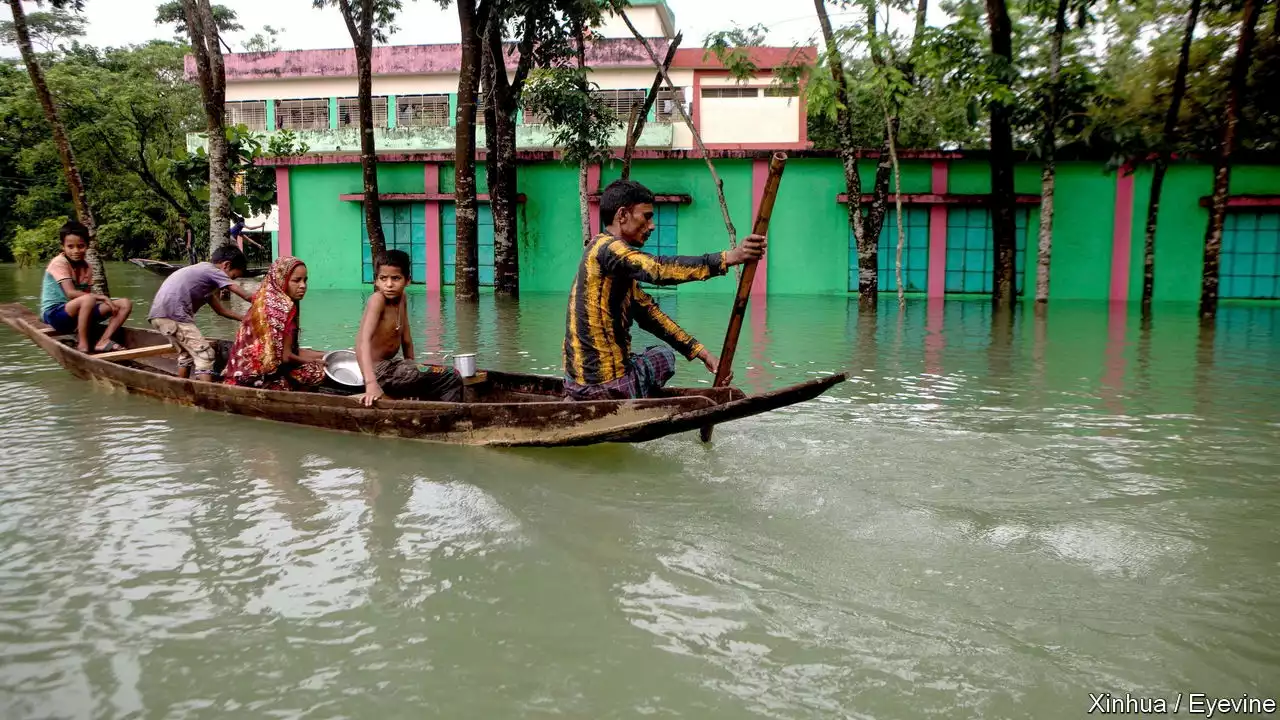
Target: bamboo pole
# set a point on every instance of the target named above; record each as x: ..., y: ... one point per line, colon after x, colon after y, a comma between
x: 761, y: 227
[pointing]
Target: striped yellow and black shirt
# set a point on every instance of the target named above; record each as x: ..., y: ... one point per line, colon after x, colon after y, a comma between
x: 606, y: 297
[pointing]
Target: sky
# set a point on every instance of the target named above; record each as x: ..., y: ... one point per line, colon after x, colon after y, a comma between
x: 301, y: 26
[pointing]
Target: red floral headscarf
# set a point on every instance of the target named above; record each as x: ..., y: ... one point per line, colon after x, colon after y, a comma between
x: 268, y: 327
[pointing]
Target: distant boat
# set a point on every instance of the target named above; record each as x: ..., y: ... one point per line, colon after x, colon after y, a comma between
x: 165, y: 269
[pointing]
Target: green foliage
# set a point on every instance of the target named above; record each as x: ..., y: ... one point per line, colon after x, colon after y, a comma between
x: 265, y: 41
x: 1117, y: 67
x: 733, y: 49
x: 384, y: 14
x: 46, y: 29
x: 32, y: 246
x: 128, y: 112
x: 171, y: 13
x: 582, y: 123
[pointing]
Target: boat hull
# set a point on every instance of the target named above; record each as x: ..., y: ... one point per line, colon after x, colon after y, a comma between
x: 506, y: 409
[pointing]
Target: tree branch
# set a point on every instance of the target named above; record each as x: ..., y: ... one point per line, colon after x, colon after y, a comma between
x: 344, y: 6
x: 636, y: 127
x: 697, y: 138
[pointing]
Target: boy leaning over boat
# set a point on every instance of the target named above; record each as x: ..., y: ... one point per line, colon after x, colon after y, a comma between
x: 606, y: 296
x: 384, y: 331
x: 66, y: 303
x: 183, y: 294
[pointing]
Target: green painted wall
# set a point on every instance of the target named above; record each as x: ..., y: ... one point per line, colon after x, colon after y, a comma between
x: 1180, y: 228
x: 809, y: 230
x: 1084, y: 217
x: 326, y: 230
x: 550, y: 234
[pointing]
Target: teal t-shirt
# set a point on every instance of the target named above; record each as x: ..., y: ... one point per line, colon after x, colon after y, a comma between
x: 60, y: 268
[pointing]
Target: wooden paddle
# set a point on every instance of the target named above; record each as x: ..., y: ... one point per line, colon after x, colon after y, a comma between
x: 761, y: 227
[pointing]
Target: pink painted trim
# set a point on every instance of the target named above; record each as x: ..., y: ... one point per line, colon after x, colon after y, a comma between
x: 938, y: 177
x: 444, y: 156
x: 435, y: 258
x: 410, y: 197
x: 284, y: 236
x: 765, y: 58
x: 430, y: 179
x: 593, y: 204
x: 1122, y: 238
x: 1246, y: 201
x: 945, y: 199
x: 758, y: 146
x: 937, y: 283
x: 428, y: 59
x: 759, y: 177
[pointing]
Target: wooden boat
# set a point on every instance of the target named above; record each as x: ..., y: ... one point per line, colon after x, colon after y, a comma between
x: 500, y: 409
x: 165, y: 269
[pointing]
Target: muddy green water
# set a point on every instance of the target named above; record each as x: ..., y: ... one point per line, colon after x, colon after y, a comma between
x: 978, y: 524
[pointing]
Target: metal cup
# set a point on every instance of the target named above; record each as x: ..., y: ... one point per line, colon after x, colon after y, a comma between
x: 465, y: 364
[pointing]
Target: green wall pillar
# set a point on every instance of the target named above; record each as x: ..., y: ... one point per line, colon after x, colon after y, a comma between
x: 520, y: 116
x: 653, y: 113
x: 333, y: 113
x: 271, y: 115
x: 453, y: 109
x: 391, y: 111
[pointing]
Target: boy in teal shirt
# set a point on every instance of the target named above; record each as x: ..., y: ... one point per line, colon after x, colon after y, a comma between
x: 66, y: 302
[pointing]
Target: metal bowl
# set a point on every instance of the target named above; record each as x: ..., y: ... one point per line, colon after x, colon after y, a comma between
x: 342, y: 367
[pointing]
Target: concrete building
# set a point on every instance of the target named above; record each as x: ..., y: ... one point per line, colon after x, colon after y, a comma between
x: 1097, y: 235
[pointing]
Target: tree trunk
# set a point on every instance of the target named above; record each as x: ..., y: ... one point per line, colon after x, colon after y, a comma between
x: 1162, y: 160
x: 466, y: 284
x: 849, y: 158
x: 642, y: 115
x: 368, y: 152
x: 70, y: 170
x: 1048, y: 175
x: 1222, y: 167
x: 213, y: 90
x: 891, y: 136
x: 583, y: 189
x: 1003, y: 224
x: 500, y: 165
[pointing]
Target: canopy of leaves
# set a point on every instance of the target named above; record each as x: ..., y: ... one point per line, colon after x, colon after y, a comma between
x: 1116, y: 76
x: 171, y: 13
x: 48, y: 30
x: 384, y: 14
x: 128, y: 112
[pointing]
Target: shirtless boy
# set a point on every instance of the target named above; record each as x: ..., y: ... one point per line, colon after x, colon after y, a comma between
x: 384, y: 331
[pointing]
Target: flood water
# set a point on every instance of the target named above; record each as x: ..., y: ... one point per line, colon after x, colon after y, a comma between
x: 980, y: 523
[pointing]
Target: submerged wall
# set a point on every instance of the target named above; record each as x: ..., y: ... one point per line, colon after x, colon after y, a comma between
x: 1097, y: 239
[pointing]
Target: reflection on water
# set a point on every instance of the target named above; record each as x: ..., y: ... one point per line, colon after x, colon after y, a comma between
x: 994, y: 517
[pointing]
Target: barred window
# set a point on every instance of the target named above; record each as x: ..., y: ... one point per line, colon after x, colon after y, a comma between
x: 309, y: 114
x: 970, y: 250
x: 782, y: 91
x: 250, y: 113
x: 422, y: 110
x: 668, y: 104
x: 1250, y: 265
x: 621, y: 101
x: 730, y: 92
x: 349, y: 112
